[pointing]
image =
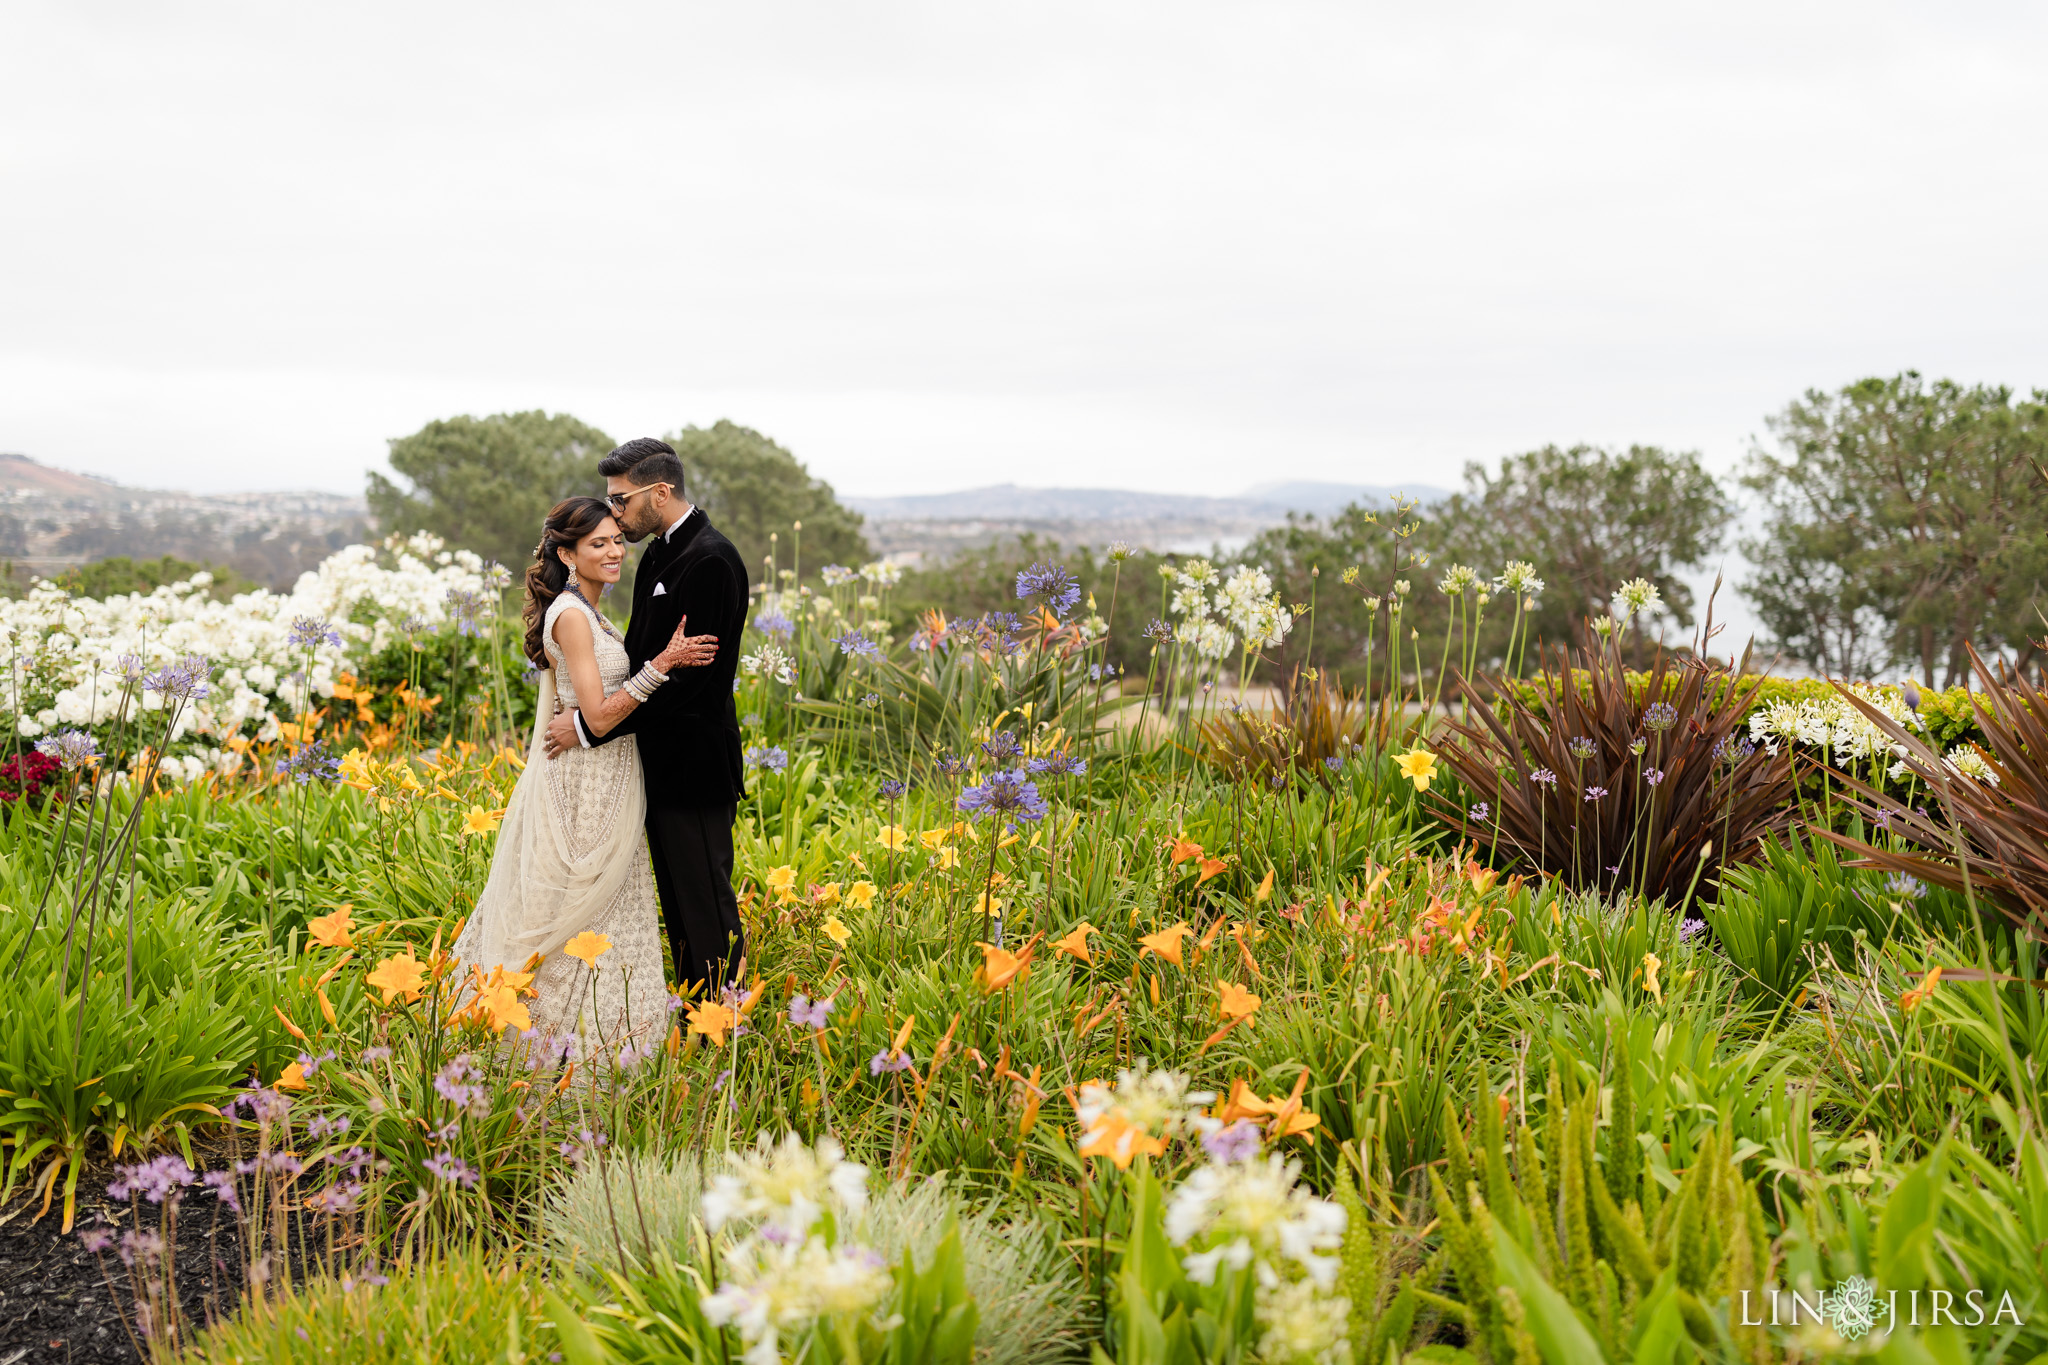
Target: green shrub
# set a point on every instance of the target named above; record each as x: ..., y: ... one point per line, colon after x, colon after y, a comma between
x: 465, y: 1307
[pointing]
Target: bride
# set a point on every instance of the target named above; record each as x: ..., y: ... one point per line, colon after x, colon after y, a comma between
x: 570, y: 884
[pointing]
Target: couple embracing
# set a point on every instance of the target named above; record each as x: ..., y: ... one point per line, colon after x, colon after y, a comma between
x: 633, y: 775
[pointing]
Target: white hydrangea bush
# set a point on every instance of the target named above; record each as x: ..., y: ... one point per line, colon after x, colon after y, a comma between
x: 69, y: 655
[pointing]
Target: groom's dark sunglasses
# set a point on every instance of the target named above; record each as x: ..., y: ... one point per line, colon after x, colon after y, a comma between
x: 619, y: 500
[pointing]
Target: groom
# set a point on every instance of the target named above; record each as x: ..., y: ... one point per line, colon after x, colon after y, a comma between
x: 689, y: 731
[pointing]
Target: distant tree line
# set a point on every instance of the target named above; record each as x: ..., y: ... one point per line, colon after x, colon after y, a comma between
x: 1903, y: 521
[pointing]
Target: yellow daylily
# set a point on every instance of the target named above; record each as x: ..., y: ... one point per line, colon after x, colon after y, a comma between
x: 935, y: 838
x: 893, y: 838
x: 861, y: 895
x: 1651, y: 962
x: 780, y: 879
x: 836, y: 931
x: 1418, y: 766
x: 481, y: 821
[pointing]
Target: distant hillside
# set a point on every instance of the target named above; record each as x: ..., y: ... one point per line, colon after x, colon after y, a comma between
x: 929, y: 525
x: 53, y: 519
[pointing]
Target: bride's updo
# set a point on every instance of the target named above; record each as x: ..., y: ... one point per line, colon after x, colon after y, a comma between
x: 571, y: 520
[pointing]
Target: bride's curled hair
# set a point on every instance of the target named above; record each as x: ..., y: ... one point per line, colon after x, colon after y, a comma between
x: 571, y: 520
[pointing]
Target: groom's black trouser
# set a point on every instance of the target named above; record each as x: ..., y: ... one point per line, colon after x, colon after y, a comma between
x: 692, y: 850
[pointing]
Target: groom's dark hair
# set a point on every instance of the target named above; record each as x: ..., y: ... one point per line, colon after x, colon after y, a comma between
x: 645, y: 460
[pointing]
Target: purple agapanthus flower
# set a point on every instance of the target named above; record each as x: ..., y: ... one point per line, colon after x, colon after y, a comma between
x: 1002, y: 746
x: 857, y: 645
x: 311, y: 763
x: 1058, y: 763
x: 72, y: 749
x: 882, y: 1062
x: 766, y: 756
x: 891, y: 789
x: 1481, y: 813
x: 308, y: 632
x: 1660, y: 716
x: 1004, y: 794
x: 1053, y: 584
x: 1545, y: 776
x: 185, y: 680
x: 1655, y: 776
x: 466, y: 609
x: 776, y: 624
x: 1581, y: 747
x: 1691, y: 929
x: 1595, y: 793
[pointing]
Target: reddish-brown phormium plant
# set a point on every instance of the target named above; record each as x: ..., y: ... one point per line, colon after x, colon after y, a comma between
x: 1647, y: 785
x: 1997, y: 829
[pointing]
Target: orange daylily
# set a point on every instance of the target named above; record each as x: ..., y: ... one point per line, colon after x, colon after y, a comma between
x: 1167, y: 942
x: 1265, y: 887
x: 1116, y: 1137
x: 1184, y: 849
x: 712, y: 1020
x: 332, y: 931
x: 1236, y: 1002
x: 588, y: 947
x: 1000, y: 967
x: 294, y: 1078
x: 1211, y: 867
x: 1920, y: 994
x: 402, y: 974
x: 1075, y: 944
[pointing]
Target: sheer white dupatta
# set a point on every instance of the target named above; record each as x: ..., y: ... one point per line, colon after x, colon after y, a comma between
x: 541, y: 893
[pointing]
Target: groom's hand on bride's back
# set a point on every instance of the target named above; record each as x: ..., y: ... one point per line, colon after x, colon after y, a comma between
x: 686, y: 650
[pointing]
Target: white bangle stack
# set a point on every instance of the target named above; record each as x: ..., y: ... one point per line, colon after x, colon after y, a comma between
x: 643, y: 683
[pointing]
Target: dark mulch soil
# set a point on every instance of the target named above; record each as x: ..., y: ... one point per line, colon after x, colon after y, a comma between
x: 55, y: 1304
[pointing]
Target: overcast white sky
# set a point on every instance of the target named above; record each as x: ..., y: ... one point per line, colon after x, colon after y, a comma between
x: 1179, y: 246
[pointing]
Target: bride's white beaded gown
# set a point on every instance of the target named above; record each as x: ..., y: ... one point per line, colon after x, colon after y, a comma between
x: 571, y: 857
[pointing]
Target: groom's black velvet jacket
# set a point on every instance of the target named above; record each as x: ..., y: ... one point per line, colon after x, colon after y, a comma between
x: 689, y: 730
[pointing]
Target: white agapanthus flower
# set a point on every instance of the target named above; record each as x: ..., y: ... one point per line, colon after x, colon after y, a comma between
x: 772, y: 1291
x: 787, y: 1185
x: 1519, y: 577
x: 1456, y: 580
x: 1143, y: 1102
x: 882, y: 574
x: 1635, y: 596
x: 1197, y: 573
x: 1189, y: 602
x: 1303, y: 1323
x: 1254, y: 1211
x: 1214, y: 640
x: 1965, y: 761
x: 769, y: 661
